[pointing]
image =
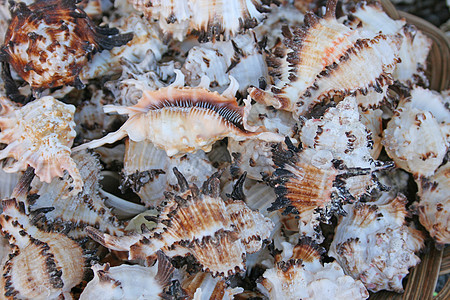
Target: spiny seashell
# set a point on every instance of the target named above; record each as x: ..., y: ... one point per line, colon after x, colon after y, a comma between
x: 417, y: 136
x: 129, y: 282
x: 207, y: 20
x: 145, y: 170
x: 308, y: 70
x: 49, y: 41
x: 434, y: 204
x: 240, y: 57
x: 305, y: 277
x: 199, y: 223
x: 44, y: 265
x: 78, y: 211
x: 415, y: 45
x: 373, y: 243
x: 312, y: 184
x: 340, y: 131
x: 203, y: 286
x: 184, y: 119
x: 40, y: 134
x: 255, y: 156
x: 146, y: 45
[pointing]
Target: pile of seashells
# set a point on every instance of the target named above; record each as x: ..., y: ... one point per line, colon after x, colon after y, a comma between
x: 194, y: 149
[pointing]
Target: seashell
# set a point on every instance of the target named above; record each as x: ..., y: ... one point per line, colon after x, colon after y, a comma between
x: 240, y: 57
x: 41, y: 33
x: 308, y: 70
x: 305, y: 277
x: 199, y: 223
x: 208, y: 21
x: 372, y: 119
x: 145, y: 46
x: 40, y: 134
x: 179, y: 116
x: 434, y: 204
x: 373, y: 243
x: 255, y: 156
x: 313, y: 185
x: 203, y: 286
x: 129, y: 282
x: 417, y: 136
x: 414, y: 48
x: 145, y: 170
x: 78, y: 211
x: 340, y: 131
x: 44, y: 265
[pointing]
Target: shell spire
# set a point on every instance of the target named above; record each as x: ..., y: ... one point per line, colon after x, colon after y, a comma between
x: 185, y: 119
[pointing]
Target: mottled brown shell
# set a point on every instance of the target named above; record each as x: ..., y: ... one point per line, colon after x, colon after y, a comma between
x: 49, y: 41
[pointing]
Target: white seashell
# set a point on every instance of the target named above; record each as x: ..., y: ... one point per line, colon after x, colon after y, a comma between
x: 129, y: 282
x: 146, y: 43
x: 434, y: 205
x: 373, y: 244
x: 417, y: 136
x: 239, y: 57
x: 209, y: 21
x: 40, y: 134
x: 304, y: 277
x: 5, y: 16
x: 8, y: 182
x: 76, y: 212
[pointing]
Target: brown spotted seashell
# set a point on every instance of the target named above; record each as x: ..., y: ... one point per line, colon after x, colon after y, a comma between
x: 40, y: 134
x: 44, y: 265
x: 208, y: 20
x: 129, y: 282
x: 199, y: 223
x: 434, y: 205
x: 185, y: 119
x: 49, y: 41
x: 374, y: 244
x: 308, y: 69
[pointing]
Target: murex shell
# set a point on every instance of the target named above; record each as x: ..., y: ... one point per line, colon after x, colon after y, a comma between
x: 129, y: 282
x: 44, y: 265
x: 185, y: 119
x: 307, y: 70
x: 418, y: 135
x: 49, y: 41
x: 434, y: 205
x: 208, y: 20
x: 76, y: 212
x: 304, y: 277
x: 373, y: 243
x: 217, y: 233
x: 40, y: 134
